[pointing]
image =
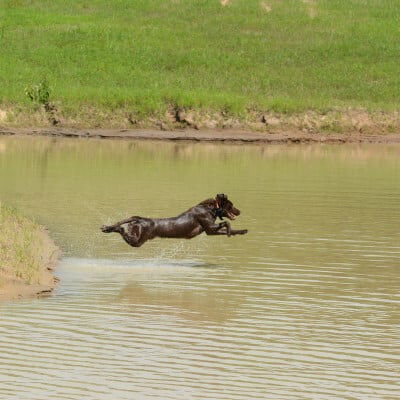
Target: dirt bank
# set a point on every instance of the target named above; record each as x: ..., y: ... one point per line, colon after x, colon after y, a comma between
x: 225, y: 135
x: 27, y: 258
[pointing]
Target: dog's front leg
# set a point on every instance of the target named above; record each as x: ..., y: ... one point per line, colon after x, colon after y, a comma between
x: 229, y: 231
x: 215, y: 229
x: 227, y: 225
x: 238, y: 232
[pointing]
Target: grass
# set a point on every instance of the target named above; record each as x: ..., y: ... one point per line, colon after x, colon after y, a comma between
x: 24, y: 248
x: 144, y: 56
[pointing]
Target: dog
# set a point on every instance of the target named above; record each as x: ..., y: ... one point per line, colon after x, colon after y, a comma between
x: 198, y: 219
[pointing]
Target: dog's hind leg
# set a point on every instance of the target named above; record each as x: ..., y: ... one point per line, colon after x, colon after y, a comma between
x: 132, y: 235
x: 115, y: 227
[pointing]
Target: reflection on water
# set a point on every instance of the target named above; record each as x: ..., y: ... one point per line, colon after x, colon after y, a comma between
x: 306, y: 306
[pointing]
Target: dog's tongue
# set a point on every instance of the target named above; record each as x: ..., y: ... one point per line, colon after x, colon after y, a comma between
x: 232, y: 216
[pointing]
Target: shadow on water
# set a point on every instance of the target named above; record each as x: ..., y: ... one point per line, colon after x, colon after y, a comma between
x: 138, y: 264
x: 152, y: 286
x: 202, y: 306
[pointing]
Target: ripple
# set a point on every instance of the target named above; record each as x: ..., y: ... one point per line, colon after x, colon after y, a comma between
x: 306, y: 306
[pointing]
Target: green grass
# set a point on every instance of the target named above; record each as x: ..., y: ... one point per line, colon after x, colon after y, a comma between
x: 24, y: 249
x: 143, y: 55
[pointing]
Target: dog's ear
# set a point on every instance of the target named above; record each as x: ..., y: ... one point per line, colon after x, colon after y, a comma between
x: 221, y: 198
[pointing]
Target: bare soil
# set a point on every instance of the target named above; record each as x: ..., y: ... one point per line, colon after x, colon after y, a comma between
x: 215, y: 135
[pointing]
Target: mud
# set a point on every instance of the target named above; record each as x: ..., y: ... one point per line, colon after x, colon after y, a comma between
x: 229, y: 136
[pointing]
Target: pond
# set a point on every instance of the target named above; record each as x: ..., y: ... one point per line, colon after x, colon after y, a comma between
x: 305, y: 306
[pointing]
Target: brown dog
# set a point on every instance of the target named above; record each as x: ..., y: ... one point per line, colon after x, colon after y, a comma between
x: 198, y: 219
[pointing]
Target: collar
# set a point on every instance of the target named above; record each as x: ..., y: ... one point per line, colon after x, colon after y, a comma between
x: 217, y: 213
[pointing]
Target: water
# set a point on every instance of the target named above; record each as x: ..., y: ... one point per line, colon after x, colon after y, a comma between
x: 306, y: 306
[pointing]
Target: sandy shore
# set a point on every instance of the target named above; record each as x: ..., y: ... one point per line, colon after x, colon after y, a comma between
x: 229, y: 136
x: 13, y: 283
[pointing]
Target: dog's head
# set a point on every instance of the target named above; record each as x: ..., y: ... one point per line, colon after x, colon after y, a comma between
x: 226, y: 207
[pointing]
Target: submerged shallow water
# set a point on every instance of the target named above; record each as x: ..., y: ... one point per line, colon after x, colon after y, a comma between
x: 306, y: 306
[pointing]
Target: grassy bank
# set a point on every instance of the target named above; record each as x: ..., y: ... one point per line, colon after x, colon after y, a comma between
x: 27, y: 256
x: 206, y: 63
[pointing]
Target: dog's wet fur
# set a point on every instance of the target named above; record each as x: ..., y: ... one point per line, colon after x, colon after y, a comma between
x: 198, y: 219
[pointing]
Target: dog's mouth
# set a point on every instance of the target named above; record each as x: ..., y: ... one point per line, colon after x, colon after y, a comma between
x: 231, y: 216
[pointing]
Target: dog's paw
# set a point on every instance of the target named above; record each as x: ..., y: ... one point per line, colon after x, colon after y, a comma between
x: 244, y: 231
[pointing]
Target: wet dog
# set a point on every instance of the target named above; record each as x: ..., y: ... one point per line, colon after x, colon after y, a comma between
x: 198, y: 219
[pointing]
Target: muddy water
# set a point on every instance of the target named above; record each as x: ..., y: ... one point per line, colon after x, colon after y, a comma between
x: 306, y: 306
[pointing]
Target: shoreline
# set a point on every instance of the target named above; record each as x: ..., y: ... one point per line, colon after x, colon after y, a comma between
x: 28, y: 262
x: 215, y: 135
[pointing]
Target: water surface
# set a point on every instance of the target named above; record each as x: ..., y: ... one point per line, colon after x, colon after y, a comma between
x: 306, y: 306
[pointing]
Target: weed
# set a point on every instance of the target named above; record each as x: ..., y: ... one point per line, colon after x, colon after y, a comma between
x: 39, y: 94
x: 22, y: 249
